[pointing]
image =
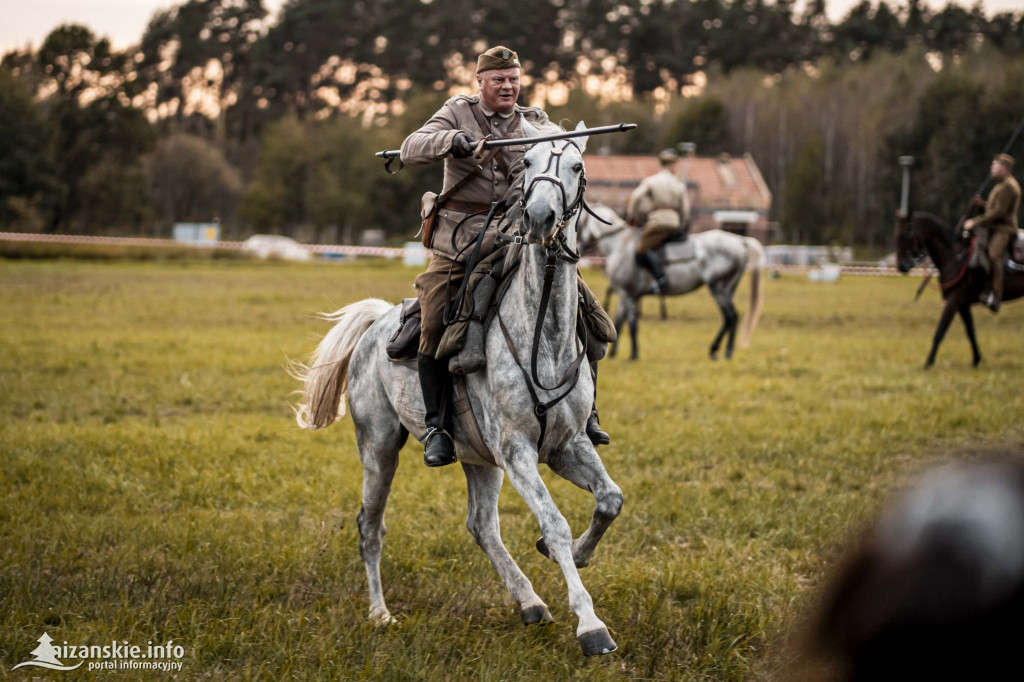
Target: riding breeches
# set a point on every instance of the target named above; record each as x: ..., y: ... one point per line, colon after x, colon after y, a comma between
x: 441, y: 279
x: 653, y: 236
x: 998, y: 240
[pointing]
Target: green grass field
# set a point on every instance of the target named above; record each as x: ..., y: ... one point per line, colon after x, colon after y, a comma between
x: 154, y: 485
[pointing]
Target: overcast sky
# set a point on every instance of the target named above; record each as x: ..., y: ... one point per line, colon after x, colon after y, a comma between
x: 24, y: 22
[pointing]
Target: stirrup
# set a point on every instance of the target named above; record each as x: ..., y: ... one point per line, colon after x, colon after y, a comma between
x: 440, y: 455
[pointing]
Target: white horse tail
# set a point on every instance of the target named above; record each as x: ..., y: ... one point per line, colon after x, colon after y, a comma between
x: 325, y: 378
x: 756, y: 262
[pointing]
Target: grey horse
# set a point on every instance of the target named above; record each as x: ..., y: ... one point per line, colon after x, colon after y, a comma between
x: 717, y: 259
x: 515, y: 399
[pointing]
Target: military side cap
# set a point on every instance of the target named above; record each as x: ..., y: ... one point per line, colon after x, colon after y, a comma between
x: 668, y: 156
x: 499, y: 57
x: 1005, y: 159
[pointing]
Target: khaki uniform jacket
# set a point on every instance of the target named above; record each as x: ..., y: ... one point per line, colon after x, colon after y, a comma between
x: 433, y: 142
x: 659, y: 201
x: 1001, y: 207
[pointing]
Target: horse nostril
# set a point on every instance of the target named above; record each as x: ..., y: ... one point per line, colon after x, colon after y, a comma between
x: 541, y: 217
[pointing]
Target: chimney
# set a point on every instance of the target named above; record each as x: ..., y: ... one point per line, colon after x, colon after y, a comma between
x: 689, y: 150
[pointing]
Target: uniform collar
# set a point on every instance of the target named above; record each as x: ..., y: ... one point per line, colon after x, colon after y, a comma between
x: 488, y: 112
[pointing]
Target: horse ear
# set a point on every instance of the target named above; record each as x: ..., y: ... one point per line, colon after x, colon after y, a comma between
x: 528, y: 130
x: 582, y: 141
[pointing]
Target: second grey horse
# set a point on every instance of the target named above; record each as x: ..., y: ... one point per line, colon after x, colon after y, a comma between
x: 531, y: 401
x: 718, y: 259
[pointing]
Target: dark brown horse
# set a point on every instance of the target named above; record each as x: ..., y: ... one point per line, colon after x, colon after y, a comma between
x: 922, y: 234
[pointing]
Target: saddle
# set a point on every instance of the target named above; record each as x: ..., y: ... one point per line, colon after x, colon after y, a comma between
x: 1017, y: 251
x: 1012, y: 260
x: 677, y: 248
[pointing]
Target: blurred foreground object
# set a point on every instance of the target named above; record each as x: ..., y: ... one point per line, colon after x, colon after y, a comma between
x: 935, y: 591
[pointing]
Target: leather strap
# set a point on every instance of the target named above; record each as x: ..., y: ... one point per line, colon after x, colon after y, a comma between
x: 467, y: 206
x: 458, y: 185
x: 481, y: 121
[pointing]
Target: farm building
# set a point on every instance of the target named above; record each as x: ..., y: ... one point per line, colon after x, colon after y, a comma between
x: 725, y: 192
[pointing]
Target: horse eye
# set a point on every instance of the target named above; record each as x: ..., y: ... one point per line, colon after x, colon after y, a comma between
x: 578, y: 167
x: 526, y: 162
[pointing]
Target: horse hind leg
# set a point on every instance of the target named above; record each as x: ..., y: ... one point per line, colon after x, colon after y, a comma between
x: 723, y: 295
x: 733, y: 320
x: 713, y: 353
x: 521, y: 468
x: 378, y: 450
x: 483, y: 485
x: 580, y: 464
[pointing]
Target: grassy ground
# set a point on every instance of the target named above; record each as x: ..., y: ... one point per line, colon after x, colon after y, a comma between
x: 154, y: 487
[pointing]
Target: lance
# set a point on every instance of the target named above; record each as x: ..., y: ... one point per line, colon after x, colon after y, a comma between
x: 988, y: 179
x: 391, y: 154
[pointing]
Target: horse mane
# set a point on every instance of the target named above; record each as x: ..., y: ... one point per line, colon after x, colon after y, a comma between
x: 946, y: 228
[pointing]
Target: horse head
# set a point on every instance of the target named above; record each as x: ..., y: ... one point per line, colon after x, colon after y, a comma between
x: 910, y: 244
x: 553, y: 183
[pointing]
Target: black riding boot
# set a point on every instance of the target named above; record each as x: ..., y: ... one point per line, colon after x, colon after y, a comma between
x: 438, y: 446
x: 595, y: 433
x: 647, y: 259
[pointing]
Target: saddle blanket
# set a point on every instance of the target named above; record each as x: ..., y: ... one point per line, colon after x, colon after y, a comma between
x: 675, y: 252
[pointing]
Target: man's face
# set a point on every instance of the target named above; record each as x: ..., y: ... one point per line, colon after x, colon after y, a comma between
x: 499, y: 88
x: 998, y: 170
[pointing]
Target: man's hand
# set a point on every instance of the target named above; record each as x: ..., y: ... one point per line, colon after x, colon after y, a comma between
x: 461, y: 146
x: 969, y: 225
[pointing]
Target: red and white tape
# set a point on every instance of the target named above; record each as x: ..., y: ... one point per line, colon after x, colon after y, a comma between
x: 381, y: 251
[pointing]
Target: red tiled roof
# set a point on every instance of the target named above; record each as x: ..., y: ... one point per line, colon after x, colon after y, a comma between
x: 714, y: 182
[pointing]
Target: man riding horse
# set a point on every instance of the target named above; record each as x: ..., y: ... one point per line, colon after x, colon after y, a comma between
x: 998, y: 225
x: 661, y: 206
x: 474, y: 183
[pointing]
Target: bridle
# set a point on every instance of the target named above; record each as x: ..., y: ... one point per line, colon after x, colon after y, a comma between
x: 556, y: 249
x: 915, y: 249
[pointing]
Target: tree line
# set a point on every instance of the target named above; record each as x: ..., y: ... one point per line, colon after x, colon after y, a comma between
x: 270, y: 124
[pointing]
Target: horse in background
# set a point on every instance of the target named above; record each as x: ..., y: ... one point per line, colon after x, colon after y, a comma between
x: 719, y: 260
x: 531, y: 401
x: 922, y: 234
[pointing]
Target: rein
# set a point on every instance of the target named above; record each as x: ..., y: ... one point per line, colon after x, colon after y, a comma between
x: 963, y: 270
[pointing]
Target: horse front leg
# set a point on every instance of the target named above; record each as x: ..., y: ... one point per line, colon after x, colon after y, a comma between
x: 632, y: 308
x: 968, y: 318
x: 580, y: 464
x: 620, y: 317
x: 521, y: 467
x: 948, y: 311
x: 483, y: 485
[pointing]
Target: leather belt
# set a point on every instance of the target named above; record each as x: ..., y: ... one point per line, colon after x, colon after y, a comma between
x: 466, y: 206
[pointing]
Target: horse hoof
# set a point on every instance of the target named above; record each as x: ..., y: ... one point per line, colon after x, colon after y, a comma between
x: 713, y: 356
x: 536, y: 615
x: 542, y: 547
x: 382, y: 618
x: 597, y: 642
